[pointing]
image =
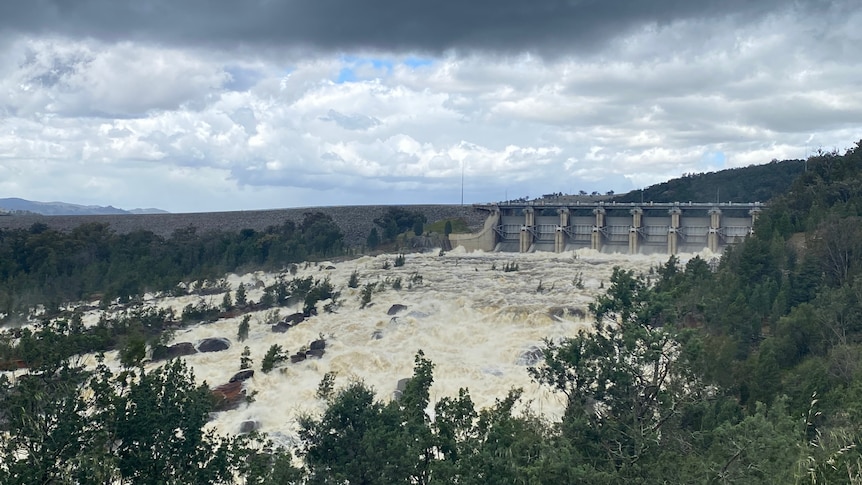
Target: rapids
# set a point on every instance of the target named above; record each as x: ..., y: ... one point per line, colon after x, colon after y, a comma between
x: 474, y: 321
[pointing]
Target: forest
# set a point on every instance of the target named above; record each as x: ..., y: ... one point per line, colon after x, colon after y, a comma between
x: 755, y: 183
x: 92, y: 262
x: 751, y: 373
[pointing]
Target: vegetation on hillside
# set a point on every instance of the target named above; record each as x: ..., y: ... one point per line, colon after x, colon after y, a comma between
x: 50, y: 267
x: 755, y: 183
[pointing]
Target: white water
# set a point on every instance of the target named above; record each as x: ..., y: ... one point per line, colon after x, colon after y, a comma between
x: 471, y: 321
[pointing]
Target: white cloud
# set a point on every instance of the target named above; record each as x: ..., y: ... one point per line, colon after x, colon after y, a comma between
x: 135, y: 125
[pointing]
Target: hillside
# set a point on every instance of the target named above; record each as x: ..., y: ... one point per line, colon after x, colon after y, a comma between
x: 755, y: 183
x: 17, y: 205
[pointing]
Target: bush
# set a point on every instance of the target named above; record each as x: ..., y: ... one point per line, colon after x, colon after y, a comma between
x: 273, y: 356
x: 353, y: 282
x: 245, y: 360
x: 242, y: 331
x: 365, y: 295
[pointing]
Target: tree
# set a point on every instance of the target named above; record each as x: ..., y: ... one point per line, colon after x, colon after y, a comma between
x: 373, y: 239
x: 156, y: 427
x: 273, y: 357
x: 361, y: 440
x: 133, y: 352
x: 242, y: 331
x: 240, y: 297
x: 67, y: 425
x: 397, y: 220
x: 245, y: 360
x: 623, y: 381
x: 447, y: 228
x: 45, y: 436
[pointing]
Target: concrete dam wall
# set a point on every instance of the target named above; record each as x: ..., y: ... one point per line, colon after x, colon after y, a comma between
x: 630, y: 228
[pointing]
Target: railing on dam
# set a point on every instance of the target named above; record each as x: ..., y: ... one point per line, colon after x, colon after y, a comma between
x: 622, y: 227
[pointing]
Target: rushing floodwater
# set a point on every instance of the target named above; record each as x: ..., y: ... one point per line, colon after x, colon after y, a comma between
x: 473, y: 322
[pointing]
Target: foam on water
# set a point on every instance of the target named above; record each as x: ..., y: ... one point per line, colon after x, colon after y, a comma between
x: 474, y: 323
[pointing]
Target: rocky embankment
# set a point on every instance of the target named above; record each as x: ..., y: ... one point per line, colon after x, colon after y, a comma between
x: 355, y: 221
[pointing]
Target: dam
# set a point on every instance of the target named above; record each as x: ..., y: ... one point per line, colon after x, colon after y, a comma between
x: 612, y: 227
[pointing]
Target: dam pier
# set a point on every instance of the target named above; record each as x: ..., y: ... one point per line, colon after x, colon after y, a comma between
x: 612, y: 227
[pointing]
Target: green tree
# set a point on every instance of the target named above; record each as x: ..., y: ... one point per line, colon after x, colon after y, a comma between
x: 273, y: 357
x: 353, y: 282
x: 240, y: 296
x: 156, y: 426
x: 227, y: 302
x: 623, y: 381
x: 66, y: 425
x: 373, y: 239
x: 45, y: 430
x: 242, y: 330
x: 245, y: 360
x: 133, y: 352
x: 361, y: 440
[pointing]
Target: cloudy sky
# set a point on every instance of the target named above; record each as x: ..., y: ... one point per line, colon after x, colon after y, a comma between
x: 205, y: 105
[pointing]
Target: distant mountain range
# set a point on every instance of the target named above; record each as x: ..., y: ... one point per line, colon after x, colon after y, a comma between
x: 16, y: 205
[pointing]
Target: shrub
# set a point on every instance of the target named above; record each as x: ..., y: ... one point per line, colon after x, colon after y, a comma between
x: 353, y: 282
x: 273, y: 356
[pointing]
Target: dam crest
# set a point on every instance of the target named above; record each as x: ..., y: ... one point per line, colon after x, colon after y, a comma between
x: 612, y: 227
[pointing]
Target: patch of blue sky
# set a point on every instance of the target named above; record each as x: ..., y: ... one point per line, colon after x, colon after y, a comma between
x: 353, y: 65
x: 713, y: 159
x: 346, y: 75
x: 416, y: 62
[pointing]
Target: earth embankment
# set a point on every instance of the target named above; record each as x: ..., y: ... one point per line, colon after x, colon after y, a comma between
x: 355, y: 221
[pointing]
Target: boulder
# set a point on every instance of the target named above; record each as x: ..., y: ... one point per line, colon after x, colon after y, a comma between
x: 242, y: 375
x: 400, y: 387
x: 530, y: 357
x: 228, y: 396
x: 294, y: 318
x: 281, y: 327
x: 248, y: 426
x: 560, y: 312
x: 315, y: 353
x: 396, y: 308
x: 377, y: 335
x: 318, y: 345
x: 213, y: 345
x: 297, y: 357
x: 180, y: 349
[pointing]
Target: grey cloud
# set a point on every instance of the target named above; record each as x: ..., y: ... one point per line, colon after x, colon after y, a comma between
x: 432, y: 26
x: 351, y: 122
x: 241, y: 79
x: 118, y: 133
x: 245, y: 117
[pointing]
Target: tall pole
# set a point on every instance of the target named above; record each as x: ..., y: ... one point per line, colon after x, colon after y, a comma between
x: 462, y: 182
